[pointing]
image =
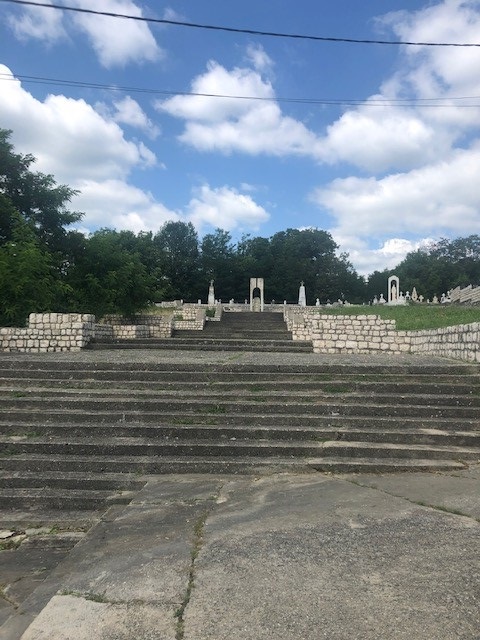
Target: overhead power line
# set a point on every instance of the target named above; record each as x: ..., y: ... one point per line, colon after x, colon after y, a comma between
x: 454, y: 101
x: 254, y: 32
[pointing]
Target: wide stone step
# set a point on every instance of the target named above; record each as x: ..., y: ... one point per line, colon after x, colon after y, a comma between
x: 148, y: 465
x: 47, y: 498
x: 386, y: 450
x: 320, y: 394
x: 254, y: 433
x: 381, y: 465
x: 206, y: 345
x: 70, y: 480
x: 336, y: 383
x: 148, y: 447
x: 267, y: 333
x: 30, y: 424
x: 465, y: 372
x: 117, y: 408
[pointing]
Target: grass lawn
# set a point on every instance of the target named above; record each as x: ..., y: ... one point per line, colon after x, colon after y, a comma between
x: 416, y: 316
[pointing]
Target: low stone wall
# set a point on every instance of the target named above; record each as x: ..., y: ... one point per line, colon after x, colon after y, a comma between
x: 461, y: 342
x: 47, y: 332
x: 130, y: 331
x: 371, y: 334
x: 191, y: 318
x: 152, y: 326
x: 349, y: 334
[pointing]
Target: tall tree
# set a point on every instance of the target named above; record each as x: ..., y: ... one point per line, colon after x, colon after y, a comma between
x: 219, y: 263
x: 178, y: 255
x: 109, y: 278
x: 40, y: 201
x: 29, y: 281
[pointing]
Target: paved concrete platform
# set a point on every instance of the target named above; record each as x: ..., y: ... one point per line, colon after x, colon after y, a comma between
x: 283, y: 557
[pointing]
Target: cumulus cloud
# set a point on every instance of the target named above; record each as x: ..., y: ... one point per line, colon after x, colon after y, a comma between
x: 39, y: 23
x: 68, y: 137
x: 116, y: 41
x: 87, y: 151
x: 114, y: 203
x: 441, y: 198
x: 385, y: 255
x: 128, y: 111
x: 254, y: 126
x: 225, y: 208
x: 260, y: 59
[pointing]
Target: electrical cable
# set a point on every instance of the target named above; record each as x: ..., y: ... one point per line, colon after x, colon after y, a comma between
x: 255, y: 32
x: 369, y: 102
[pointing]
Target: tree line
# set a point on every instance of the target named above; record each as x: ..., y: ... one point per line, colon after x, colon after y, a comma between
x: 45, y: 265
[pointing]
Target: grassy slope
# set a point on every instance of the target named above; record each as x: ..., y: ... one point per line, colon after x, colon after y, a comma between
x: 415, y: 317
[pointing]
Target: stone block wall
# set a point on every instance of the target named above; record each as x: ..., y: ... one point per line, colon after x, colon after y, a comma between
x: 370, y: 334
x: 190, y: 318
x: 349, y: 334
x: 154, y: 326
x: 48, y: 332
x: 130, y: 331
x: 461, y: 342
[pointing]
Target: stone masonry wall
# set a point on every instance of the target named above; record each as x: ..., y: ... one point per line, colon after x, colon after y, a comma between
x: 190, y: 318
x: 371, y: 334
x: 461, y: 342
x: 47, y: 332
x: 139, y: 326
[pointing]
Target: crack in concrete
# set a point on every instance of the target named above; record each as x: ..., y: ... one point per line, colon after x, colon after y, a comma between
x: 197, y: 543
x: 420, y: 503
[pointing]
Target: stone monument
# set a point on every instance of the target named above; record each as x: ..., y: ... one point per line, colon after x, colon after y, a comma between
x: 257, y: 296
x: 302, y: 297
x: 211, y: 295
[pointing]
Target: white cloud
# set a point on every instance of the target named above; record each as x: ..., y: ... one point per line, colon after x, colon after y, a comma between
x: 257, y: 55
x: 117, y: 41
x: 440, y: 198
x: 378, y: 138
x: 85, y: 150
x: 114, y: 203
x: 225, y: 208
x: 387, y: 255
x: 39, y: 23
x: 67, y: 136
x: 127, y: 111
x: 227, y: 125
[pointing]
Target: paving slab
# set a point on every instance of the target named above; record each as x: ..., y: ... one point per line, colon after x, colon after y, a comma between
x: 456, y: 492
x: 298, y: 558
x: 283, y: 556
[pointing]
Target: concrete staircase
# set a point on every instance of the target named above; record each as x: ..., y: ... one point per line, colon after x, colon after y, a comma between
x: 80, y: 435
x: 245, y: 331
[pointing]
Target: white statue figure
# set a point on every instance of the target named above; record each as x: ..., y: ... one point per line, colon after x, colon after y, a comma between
x: 211, y: 295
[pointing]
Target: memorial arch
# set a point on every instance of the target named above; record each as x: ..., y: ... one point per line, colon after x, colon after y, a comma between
x: 257, y: 294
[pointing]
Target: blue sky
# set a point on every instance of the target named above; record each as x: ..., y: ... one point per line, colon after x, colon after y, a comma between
x: 392, y: 164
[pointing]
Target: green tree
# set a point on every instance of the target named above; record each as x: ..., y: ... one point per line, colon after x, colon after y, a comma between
x: 219, y: 263
x: 178, y: 260
x: 29, y: 281
x: 109, y: 278
x: 40, y: 201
